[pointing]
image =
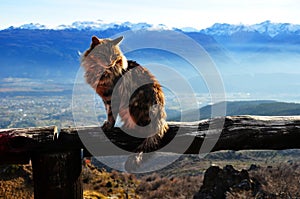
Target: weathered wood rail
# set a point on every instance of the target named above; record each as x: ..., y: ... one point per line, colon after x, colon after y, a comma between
x: 56, y: 154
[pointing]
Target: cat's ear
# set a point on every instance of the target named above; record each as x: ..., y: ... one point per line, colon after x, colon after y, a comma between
x: 95, y: 41
x: 117, y: 41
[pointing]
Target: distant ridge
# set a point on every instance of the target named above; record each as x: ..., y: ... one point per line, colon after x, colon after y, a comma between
x: 259, y: 107
x: 267, y: 27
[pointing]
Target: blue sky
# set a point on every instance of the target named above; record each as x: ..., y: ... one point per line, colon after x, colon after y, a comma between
x: 175, y: 13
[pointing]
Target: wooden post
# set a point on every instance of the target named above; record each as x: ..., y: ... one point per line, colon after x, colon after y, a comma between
x: 57, y: 175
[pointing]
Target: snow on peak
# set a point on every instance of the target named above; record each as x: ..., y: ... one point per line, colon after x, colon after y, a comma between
x: 266, y: 27
x: 218, y: 29
x: 98, y: 25
x: 101, y: 25
x: 189, y: 29
x: 33, y: 26
x: 82, y: 25
x: 225, y: 29
x: 274, y: 29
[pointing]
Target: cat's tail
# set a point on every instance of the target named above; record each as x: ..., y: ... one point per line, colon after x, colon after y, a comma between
x: 143, y: 152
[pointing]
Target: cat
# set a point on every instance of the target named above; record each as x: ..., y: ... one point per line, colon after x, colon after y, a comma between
x: 127, y: 89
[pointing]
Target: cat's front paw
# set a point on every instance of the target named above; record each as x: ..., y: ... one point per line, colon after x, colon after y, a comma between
x: 107, y: 126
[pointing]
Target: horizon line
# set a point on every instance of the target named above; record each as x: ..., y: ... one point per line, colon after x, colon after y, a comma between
x: 99, y: 21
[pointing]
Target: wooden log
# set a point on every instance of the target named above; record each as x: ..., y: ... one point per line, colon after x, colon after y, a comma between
x: 256, y: 132
x: 237, y: 133
x: 16, y: 144
x: 57, y: 175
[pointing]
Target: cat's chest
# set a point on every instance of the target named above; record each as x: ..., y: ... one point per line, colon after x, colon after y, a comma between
x: 107, y: 84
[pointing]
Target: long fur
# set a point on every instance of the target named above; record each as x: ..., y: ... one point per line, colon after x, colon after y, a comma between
x: 108, y: 72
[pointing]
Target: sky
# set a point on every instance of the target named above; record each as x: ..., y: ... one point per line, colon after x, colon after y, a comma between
x: 173, y: 13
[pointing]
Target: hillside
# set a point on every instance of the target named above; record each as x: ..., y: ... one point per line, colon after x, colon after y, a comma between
x: 269, y: 108
x: 54, y: 54
x: 263, y: 108
x: 182, y: 179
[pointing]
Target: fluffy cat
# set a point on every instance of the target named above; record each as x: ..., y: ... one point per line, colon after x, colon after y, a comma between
x: 127, y: 89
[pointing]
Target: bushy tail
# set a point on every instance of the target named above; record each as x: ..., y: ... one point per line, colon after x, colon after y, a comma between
x: 150, y: 144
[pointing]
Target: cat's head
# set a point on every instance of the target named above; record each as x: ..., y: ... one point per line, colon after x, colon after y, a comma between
x: 105, y: 53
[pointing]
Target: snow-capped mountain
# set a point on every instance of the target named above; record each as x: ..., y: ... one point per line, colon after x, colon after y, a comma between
x: 218, y: 29
x: 266, y: 27
x: 32, y: 26
x: 98, y: 25
x: 251, y: 58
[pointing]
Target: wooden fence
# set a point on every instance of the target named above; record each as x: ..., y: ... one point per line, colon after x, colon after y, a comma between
x: 56, y: 153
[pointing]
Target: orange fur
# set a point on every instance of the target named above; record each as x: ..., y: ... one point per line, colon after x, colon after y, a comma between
x: 137, y: 103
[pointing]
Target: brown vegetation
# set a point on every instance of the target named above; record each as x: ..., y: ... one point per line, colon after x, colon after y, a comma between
x: 277, y: 181
x: 16, y: 182
x: 99, y: 183
x: 156, y: 186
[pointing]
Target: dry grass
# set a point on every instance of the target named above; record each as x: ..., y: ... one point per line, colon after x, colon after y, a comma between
x: 16, y: 182
x: 110, y: 184
x: 156, y: 186
x: 281, y: 181
x: 277, y: 182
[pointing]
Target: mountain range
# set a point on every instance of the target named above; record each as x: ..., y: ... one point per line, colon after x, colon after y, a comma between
x: 260, y: 58
x: 266, y: 27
